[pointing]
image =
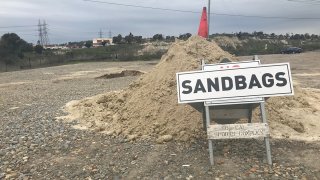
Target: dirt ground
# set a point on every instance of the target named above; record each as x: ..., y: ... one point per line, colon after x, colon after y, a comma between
x: 35, y: 145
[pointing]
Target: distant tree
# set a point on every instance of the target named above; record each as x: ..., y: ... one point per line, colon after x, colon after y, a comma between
x: 138, y: 39
x: 129, y: 38
x: 239, y: 35
x: 307, y: 36
x: 117, y: 39
x: 184, y: 36
x: 281, y: 37
x: 287, y: 36
x: 12, y: 47
x: 157, y: 37
x: 314, y: 37
x: 170, y: 38
x: 259, y: 34
x: 273, y: 35
x: 38, y: 49
x: 103, y: 43
x: 296, y: 37
x: 88, y: 44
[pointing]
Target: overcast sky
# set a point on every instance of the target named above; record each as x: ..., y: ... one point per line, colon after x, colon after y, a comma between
x: 75, y: 20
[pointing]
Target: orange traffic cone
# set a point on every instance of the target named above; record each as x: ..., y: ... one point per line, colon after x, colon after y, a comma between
x: 203, y: 28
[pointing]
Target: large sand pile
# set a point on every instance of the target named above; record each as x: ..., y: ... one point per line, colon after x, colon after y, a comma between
x: 148, y: 108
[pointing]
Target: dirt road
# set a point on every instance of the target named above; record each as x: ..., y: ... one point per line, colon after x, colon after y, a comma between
x: 34, y: 145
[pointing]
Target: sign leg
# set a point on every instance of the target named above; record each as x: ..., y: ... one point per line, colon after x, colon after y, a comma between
x: 209, y: 141
x: 204, y: 118
x: 250, y: 114
x: 211, y: 152
x: 266, y: 139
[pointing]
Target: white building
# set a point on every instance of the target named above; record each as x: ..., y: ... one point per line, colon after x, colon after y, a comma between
x: 99, y: 42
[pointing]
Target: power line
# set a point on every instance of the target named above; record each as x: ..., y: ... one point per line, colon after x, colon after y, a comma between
x: 309, y: 2
x: 198, y: 12
x: 144, y: 7
x: 27, y: 34
x: 3, y: 27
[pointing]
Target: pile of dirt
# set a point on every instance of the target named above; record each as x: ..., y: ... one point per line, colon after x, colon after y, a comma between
x: 148, y: 108
x: 121, y: 73
x: 225, y: 41
x: 154, y: 48
x: 295, y: 117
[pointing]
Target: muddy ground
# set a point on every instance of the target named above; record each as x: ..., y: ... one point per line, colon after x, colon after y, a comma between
x: 34, y: 145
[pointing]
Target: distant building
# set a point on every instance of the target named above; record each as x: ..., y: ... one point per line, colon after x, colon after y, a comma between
x: 55, y: 47
x: 100, y: 41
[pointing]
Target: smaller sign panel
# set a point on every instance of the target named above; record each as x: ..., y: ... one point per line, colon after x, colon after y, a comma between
x: 230, y: 65
x: 238, y: 131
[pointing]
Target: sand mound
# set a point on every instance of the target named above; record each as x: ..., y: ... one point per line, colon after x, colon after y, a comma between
x: 225, y: 41
x: 295, y: 117
x: 148, y: 108
x: 121, y: 73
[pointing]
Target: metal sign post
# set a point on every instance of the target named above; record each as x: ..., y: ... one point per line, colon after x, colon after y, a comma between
x: 266, y: 139
x: 264, y: 120
x: 236, y: 131
x: 209, y: 140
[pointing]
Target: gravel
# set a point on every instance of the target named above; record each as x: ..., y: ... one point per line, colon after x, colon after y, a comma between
x: 34, y: 145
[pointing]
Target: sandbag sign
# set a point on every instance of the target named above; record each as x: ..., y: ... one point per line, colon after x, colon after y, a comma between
x: 261, y: 81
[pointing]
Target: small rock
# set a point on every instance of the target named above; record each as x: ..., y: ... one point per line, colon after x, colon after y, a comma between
x: 2, y: 153
x: 253, y: 176
x: 2, y: 175
x: 253, y: 169
x: 164, y: 138
x: 132, y: 137
x: 25, y: 158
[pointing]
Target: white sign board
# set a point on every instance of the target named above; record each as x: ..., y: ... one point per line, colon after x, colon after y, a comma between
x: 232, y: 65
x: 262, y: 81
x: 238, y: 131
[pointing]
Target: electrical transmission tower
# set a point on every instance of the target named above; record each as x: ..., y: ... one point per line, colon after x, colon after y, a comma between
x: 43, y: 33
x: 100, y: 33
x: 110, y: 34
x: 40, y: 41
